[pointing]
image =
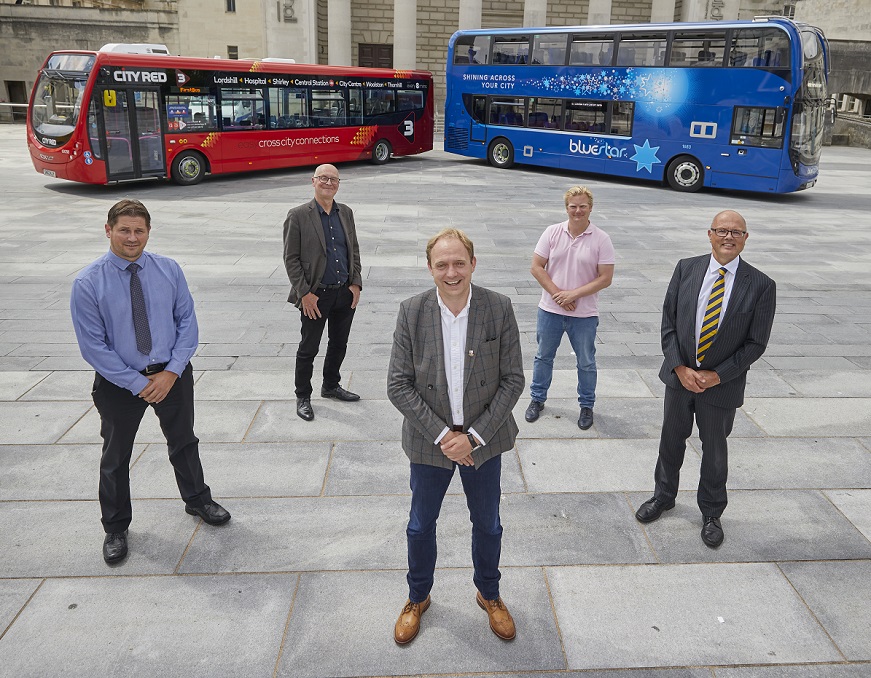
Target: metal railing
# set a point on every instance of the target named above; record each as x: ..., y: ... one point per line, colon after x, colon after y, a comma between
x: 10, y: 113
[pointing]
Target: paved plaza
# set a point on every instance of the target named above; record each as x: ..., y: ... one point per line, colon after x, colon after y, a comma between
x: 309, y: 576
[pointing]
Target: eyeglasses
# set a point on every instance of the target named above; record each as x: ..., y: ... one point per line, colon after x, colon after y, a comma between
x: 723, y: 232
x: 328, y: 180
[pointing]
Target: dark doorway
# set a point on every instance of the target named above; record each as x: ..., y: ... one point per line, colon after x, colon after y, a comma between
x: 375, y: 56
x: 17, y: 95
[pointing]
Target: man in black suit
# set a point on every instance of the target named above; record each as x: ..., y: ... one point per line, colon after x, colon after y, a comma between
x: 716, y: 320
x: 322, y: 259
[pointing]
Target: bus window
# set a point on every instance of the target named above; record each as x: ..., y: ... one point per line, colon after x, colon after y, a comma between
x: 545, y: 112
x: 549, y: 50
x: 766, y: 47
x: 191, y: 113
x: 243, y: 109
x: 641, y: 50
x: 409, y: 99
x: 622, y: 113
x: 511, y: 49
x: 507, y: 112
x: 378, y: 102
x: 757, y: 127
x: 472, y: 49
x: 93, y: 131
x: 588, y: 50
x: 585, y: 116
x: 328, y: 108
x: 288, y: 107
x: 355, y: 107
x: 698, y: 49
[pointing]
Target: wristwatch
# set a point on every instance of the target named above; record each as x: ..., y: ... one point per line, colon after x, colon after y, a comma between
x: 473, y: 442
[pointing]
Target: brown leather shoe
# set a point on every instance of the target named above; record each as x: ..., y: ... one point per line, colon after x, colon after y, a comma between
x: 501, y: 622
x: 408, y: 624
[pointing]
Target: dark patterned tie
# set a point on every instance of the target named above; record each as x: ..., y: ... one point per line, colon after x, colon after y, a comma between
x: 711, y: 321
x: 140, y: 314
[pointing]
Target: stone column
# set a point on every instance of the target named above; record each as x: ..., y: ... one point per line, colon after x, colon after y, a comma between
x: 404, y: 33
x: 470, y: 14
x: 339, y: 32
x: 662, y: 11
x: 535, y: 13
x: 599, y: 12
x: 694, y: 10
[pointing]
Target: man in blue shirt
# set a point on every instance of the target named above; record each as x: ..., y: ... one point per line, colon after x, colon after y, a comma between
x: 135, y: 323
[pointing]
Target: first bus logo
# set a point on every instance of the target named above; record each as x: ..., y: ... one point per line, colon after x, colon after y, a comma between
x: 139, y: 76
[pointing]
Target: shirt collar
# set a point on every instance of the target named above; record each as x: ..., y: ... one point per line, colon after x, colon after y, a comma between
x: 122, y: 263
x: 732, y: 266
x: 446, y: 310
x: 321, y: 209
x: 587, y: 231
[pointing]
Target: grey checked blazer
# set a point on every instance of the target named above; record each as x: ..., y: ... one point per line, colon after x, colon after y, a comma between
x: 741, y: 337
x: 493, y: 376
x: 305, y: 249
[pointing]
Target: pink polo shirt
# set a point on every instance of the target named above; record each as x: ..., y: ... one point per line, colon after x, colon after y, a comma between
x: 572, y: 262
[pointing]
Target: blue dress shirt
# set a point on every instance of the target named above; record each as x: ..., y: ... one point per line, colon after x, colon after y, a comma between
x: 103, y: 318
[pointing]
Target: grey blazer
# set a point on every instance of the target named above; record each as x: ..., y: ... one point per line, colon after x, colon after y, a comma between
x: 305, y: 249
x: 740, y: 340
x: 493, y: 377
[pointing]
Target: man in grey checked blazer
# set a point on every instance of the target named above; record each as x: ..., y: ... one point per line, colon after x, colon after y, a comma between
x: 713, y: 388
x: 456, y: 372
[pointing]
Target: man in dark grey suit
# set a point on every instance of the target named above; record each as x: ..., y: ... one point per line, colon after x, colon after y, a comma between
x: 322, y: 259
x: 716, y: 320
x: 456, y: 372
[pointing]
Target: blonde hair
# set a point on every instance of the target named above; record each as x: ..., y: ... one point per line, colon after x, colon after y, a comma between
x: 450, y: 233
x: 578, y: 190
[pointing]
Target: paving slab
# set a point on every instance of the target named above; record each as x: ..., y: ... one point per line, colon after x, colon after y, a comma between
x: 38, y: 423
x: 839, y: 596
x: 14, y: 385
x: 245, y: 386
x: 238, y: 470
x: 830, y: 417
x: 14, y: 593
x: 454, y: 636
x: 683, y: 615
x: 154, y: 626
x: 65, y: 539
x: 828, y: 384
x: 61, y: 386
x: 856, y: 507
x: 761, y: 525
x: 808, y: 671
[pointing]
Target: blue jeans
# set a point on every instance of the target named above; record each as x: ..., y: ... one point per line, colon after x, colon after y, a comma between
x: 549, y: 334
x: 483, y: 490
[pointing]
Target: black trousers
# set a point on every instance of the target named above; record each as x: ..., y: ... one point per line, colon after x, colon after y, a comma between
x: 337, y: 315
x: 120, y: 415
x: 715, y: 425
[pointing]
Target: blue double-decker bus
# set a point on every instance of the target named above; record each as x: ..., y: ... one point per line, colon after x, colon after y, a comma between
x: 736, y: 105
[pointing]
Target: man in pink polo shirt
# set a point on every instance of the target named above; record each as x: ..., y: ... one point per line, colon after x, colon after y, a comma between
x: 573, y: 260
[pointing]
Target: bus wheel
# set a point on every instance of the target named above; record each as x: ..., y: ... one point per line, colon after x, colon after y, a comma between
x: 381, y: 152
x: 188, y: 168
x: 685, y: 174
x: 501, y: 153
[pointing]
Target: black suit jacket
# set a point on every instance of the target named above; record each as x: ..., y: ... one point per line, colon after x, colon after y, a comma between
x: 305, y: 249
x: 741, y: 338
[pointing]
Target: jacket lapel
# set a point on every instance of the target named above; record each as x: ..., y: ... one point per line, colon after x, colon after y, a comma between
x: 316, y: 224
x: 474, y: 334
x: 433, y: 313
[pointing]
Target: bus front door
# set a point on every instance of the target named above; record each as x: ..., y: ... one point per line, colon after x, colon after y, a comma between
x: 132, y: 133
x: 477, y: 130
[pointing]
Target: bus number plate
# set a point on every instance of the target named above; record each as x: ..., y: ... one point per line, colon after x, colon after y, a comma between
x: 50, y: 173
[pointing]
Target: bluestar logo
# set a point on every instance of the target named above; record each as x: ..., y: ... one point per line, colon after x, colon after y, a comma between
x: 596, y: 147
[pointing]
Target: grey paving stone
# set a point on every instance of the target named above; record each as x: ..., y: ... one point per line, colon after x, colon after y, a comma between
x: 216, y: 421
x: 453, y: 621
x: 13, y: 385
x: 612, y: 383
x: 14, y: 593
x: 238, y: 470
x: 65, y: 538
x: 607, y: 673
x: 839, y: 596
x: 856, y: 506
x: 182, y: 625
x: 809, y: 671
x: 234, y: 385
x: 761, y: 525
x: 587, y: 465
x: 827, y: 417
x: 828, y: 384
x: 73, y: 385
x: 38, y: 423
x: 683, y: 615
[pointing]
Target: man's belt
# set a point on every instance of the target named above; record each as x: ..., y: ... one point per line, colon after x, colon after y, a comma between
x: 337, y: 286
x: 153, y: 368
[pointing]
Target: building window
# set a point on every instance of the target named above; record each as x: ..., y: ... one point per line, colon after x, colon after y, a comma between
x: 789, y: 10
x: 231, y: 5
x: 232, y: 51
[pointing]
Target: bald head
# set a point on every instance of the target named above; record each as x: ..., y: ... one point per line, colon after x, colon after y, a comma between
x: 728, y: 233
x: 326, y: 184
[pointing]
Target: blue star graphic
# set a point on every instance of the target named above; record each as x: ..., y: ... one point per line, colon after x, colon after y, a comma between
x: 645, y: 156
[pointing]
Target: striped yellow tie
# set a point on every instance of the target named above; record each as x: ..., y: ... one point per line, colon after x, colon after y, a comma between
x: 712, y: 316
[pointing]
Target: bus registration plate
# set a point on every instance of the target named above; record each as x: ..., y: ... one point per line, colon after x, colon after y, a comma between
x: 50, y: 173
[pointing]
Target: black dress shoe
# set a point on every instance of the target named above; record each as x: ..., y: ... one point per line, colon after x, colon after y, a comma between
x: 586, y: 418
x: 712, y: 532
x: 115, y: 546
x: 304, y: 409
x: 213, y: 514
x: 534, y: 409
x: 339, y: 394
x: 652, y: 509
